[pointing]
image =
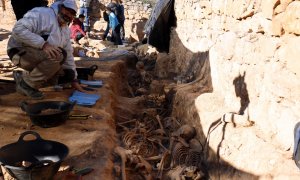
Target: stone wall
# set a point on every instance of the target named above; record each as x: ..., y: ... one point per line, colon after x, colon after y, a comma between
x: 136, y: 14
x: 253, y: 48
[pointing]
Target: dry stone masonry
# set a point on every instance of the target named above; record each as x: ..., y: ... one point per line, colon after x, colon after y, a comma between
x: 136, y: 14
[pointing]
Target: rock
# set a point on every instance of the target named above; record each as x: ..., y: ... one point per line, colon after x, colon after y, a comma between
x: 267, y: 7
x: 218, y: 6
x: 268, y: 46
x: 279, y: 9
x: 131, y: 12
x: 229, y: 40
x: 289, y: 52
x: 277, y: 27
x: 137, y: 16
x: 100, y: 25
x: 291, y: 23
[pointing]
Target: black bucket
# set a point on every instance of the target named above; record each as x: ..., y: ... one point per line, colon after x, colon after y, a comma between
x: 84, y: 73
x: 44, y: 157
x: 61, y: 111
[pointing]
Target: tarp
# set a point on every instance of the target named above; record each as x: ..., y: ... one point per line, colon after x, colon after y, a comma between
x: 157, y: 28
x: 159, y: 6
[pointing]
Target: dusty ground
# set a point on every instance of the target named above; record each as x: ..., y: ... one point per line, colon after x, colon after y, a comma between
x: 90, y: 141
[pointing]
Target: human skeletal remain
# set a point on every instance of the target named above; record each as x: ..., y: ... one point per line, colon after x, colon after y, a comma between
x: 196, y: 145
x: 143, y: 163
x: 137, y: 140
x: 123, y: 153
x: 175, y: 173
x: 179, y: 154
x: 191, y: 172
x: 194, y: 158
x: 187, y: 132
x: 160, y: 124
x: 171, y: 124
x: 161, y: 165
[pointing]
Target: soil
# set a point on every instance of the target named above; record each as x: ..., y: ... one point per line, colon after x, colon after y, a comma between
x: 126, y: 106
x: 90, y: 141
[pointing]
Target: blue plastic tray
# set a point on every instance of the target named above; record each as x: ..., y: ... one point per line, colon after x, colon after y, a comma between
x: 84, y: 99
x: 97, y: 83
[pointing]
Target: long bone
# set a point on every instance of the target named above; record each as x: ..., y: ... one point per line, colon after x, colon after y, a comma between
x: 123, y: 153
x: 161, y: 165
x: 148, y: 167
x: 160, y: 124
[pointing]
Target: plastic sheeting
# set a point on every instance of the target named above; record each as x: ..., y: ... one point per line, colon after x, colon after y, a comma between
x: 157, y: 28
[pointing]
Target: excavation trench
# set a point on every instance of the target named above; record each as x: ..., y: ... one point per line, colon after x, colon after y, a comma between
x: 152, y: 143
x: 160, y: 135
x: 133, y: 120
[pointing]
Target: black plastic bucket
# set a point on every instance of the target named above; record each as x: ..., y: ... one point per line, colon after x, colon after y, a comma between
x: 48, y: 120
x: 84, y: 73
x: 44, y: 156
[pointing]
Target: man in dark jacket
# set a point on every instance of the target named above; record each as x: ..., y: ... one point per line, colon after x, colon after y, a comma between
x: 21, y: 7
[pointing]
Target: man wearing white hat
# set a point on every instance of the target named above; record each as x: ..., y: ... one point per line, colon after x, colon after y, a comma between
x: 40, y: 44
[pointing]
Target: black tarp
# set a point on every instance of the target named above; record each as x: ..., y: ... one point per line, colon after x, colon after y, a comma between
x: 158, y: 27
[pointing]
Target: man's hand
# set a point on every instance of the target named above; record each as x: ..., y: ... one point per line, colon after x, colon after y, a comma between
x: 52, y: 51
x: 77, y: 86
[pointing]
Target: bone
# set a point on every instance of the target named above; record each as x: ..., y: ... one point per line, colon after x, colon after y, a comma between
x: 158, y: 141
x: 146, y: 164
x: 154, y: 158
x: 127, y: 122
x: 124, y: 127
x: 187, y: 132
x: 191, y: 172
x: 194, y: 158
x: 196, y: 145
x: 160, y: 124
x: 161, y: 165
x: 158, y: 132
x: 123, y: 153
x: 179, y: 154
x: 175, y: 173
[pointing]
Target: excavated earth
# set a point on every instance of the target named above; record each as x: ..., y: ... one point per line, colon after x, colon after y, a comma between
x: 90, y: 141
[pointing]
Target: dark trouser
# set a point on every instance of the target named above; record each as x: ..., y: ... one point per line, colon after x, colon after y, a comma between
x: 117, y: 36
x: 122, y: 30
x: 106, y: 31
x: 21, y: 7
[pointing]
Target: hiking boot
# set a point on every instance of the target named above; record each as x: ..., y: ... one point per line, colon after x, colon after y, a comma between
x: 26, y: 90
x: 17, y: 76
